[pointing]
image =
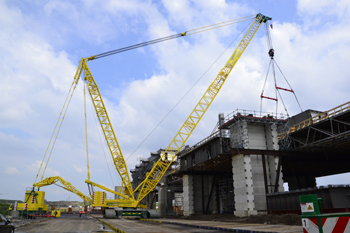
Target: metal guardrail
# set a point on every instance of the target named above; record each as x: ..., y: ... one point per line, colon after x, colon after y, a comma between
x: 318, y: 118
x: 213, y: 135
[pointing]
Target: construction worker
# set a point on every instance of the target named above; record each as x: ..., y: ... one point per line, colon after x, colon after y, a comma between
x: 80, y: 213
x: 9, y: 210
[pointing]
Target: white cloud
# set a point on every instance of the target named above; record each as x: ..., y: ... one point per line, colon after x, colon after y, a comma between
x: 79, y: 169
x: 49, y: 172
x: 12, y: 171
x: 324, y: 7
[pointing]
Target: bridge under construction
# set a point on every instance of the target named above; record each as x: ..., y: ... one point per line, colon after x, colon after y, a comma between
x: 242, y: 166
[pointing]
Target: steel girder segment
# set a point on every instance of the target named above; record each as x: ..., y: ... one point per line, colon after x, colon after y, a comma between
x: 160, y: 167
x: 108, y: 131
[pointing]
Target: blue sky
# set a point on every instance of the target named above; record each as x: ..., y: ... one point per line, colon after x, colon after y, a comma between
x: 43, y: 41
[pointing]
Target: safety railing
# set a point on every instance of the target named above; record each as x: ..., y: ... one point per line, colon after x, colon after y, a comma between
x: 315, y: 119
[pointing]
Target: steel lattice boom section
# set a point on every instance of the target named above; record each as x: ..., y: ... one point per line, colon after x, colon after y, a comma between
x: 108, y: 131
x: 160, y: 167
x: 67, y: 186
x: 109, y: 190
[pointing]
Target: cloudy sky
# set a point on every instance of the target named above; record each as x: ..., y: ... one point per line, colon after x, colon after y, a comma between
x: 42, y: 42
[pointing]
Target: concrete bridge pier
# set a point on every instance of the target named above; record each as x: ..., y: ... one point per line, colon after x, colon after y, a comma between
x: 199, y: 194
x: 254, y: 175
x: 188, y: 195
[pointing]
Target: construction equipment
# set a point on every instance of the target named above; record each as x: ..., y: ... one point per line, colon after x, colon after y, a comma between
x: 132, y: 198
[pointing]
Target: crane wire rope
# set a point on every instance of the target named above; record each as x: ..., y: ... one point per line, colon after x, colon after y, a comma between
x: 276, y: 90
x: 289, y: 86
x: 86, y: 135
x: 59, y: 117
x: 188, y: 91
x: 58, y: 131
x: 272, y: 64
x: 191, y: 32
x: 262, y: 92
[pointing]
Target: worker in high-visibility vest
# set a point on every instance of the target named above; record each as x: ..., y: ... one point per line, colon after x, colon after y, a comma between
x: 9, y: 209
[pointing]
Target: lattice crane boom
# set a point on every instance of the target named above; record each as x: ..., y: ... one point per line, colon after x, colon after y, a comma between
x: 67, y: 186
x: 161, y: 166
x: 107, y: 128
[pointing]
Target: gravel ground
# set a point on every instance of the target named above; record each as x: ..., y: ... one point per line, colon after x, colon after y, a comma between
x: 67, y: 223
x: 284, y: 219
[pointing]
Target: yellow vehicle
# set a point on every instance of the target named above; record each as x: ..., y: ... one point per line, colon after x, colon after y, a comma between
x: 131, y: 198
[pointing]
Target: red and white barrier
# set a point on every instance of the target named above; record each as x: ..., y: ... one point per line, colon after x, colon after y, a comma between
x: 329, y: 225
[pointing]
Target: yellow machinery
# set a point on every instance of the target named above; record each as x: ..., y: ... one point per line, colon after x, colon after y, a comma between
x: 33, y: 201
x: 129, y: 197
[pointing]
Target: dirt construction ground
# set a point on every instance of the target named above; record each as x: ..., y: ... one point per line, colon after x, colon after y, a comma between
x: 277, y: 219
x: 201, y: 223
x: 68, y: 223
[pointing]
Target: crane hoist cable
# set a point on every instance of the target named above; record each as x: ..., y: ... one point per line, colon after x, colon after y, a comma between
x: 86, y: 135
x: 272, y: 64
x: 60, y: 119
x: 186, y: 33
x: 53, y: 133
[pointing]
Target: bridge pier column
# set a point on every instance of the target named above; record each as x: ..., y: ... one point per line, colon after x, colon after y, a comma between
x: 252, y: 178
x: 162, y: 189
x: 188, y: 195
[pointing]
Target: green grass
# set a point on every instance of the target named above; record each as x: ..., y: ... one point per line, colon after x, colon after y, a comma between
x: 4, y: 208
x: 6, y: 201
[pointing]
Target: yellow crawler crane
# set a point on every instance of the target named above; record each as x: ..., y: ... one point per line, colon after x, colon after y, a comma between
x: 160, y: 167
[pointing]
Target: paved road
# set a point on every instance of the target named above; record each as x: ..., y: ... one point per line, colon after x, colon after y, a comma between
x: 68, y: 223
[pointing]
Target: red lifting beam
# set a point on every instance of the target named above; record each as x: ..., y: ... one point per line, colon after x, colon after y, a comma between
x: 268, y: 97
x: 284, y: 89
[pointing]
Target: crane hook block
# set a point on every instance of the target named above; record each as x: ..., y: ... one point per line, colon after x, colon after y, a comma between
x: 271, y: 53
